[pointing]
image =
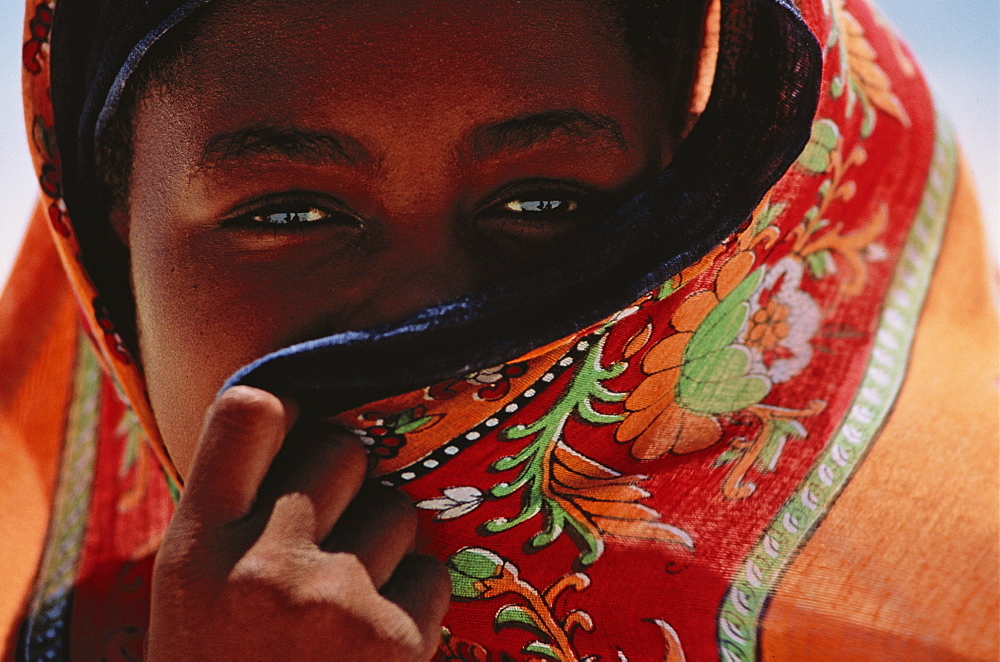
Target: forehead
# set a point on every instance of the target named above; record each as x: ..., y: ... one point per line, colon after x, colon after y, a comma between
x: 271, y: 55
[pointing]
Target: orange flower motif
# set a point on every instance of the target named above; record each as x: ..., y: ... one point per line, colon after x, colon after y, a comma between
x: 769, y: 326
x: 655, y: 423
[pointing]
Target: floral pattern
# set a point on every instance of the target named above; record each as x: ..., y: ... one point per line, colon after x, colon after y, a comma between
x: 751, y: 330
x: 860, y: 75
x: 385, y: 434
x: 657, y: 421
x: 655, y: 447
x: 479, y: 574
x: 782, y: 324
x: 572, y: 492
x: 454, y: 502
x: 35, y: 49
x: 490, y: 383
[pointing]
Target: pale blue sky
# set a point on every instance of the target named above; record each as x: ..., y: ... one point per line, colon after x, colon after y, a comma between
x: 956, y: 41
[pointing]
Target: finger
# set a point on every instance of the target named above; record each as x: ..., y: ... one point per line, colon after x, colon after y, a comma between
x: 243, y: 432
x: 313, y: 480
x: 379, y: 527
x: 422, y: 588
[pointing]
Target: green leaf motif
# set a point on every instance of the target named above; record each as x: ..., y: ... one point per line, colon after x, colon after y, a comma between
x: 468, y: 568
x: 44, y: 138
x: 820, y: 263
x: 728, y: 456
x: 770, y: 213
x: 131, y: 428
x: 723, y: 396
x: 541, y: 649
x: 868, y: 119
x: 815, y: 158
x: 720, y: 366
x: 519, y: 617
x: 837, y: 87
x: 778, y: 433
x: 714, y: 377
x: 546, y: 433
x: 666, y: 289
x: 723, y: 323
x: 414, y: 425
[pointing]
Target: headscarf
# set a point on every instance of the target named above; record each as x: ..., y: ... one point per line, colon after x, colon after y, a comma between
x: 619, y: 465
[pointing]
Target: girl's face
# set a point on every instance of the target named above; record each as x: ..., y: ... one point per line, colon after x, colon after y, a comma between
x: 316, y: 167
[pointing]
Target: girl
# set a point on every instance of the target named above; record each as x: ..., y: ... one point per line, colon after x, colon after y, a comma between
x: 619, y: 295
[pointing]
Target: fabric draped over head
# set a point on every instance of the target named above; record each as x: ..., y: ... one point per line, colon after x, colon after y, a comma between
x: 621, y: 451
x: 767, y: 77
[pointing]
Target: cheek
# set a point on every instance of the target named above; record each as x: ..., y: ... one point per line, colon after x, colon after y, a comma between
x: 199, y: 321
x: 207, y: 304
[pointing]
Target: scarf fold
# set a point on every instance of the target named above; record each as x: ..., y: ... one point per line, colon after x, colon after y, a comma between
x: 620, y: 466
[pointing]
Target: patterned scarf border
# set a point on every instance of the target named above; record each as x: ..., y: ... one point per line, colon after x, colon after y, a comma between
x: 45, y: 632
x: 741, y: 613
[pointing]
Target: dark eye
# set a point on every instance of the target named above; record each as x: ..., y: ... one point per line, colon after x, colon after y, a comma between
x: 542, y: 212
x: 311, y: 215
x: 292, y: 212
x: 546, y: 206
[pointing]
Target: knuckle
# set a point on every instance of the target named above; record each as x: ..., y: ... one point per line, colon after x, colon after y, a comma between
x: 350, y: 461
x: 349, y: 570
x: 250, y: 582
x: 266, y: 578
x: 334, y: 591
x: 259, y: 567
x: 293, y: 507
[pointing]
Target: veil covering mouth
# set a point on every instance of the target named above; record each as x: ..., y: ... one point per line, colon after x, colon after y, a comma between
x: 622, y: 453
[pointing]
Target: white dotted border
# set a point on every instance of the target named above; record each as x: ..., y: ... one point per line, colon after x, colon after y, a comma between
x: 442, y: 455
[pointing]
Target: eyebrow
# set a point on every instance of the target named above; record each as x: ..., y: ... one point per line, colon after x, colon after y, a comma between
x: 523, y: 132
x: 330, y: 147
x: 286, y: 143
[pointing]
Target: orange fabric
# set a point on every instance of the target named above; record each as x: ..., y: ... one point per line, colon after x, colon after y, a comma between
x: 663, y: 496
x: 905, y: 566
x: 38, y: 334
x: 40, y: 121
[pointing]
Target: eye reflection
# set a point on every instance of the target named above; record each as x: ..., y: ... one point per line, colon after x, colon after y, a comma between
x: 311, y: 215
x: 540, y: 206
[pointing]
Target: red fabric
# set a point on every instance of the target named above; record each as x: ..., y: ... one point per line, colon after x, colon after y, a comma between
x: 655, y: 455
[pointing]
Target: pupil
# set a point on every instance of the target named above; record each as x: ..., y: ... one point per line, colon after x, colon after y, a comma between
x: 541, y: 205
x: 291, y: 218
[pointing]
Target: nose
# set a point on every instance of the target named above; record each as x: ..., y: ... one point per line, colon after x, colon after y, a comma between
x: 422, y: 260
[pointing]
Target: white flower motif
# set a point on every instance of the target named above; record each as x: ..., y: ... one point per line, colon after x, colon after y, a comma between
x: 799, y: 326
x: 363, y: 436
x: 457, y: 501
x: 486, y: 376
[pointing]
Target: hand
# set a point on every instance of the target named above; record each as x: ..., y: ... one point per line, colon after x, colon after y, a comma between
x: 280, y: 550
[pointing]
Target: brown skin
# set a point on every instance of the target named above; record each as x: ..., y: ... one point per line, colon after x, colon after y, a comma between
x: 384, y: 130
x: 278, y: 551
